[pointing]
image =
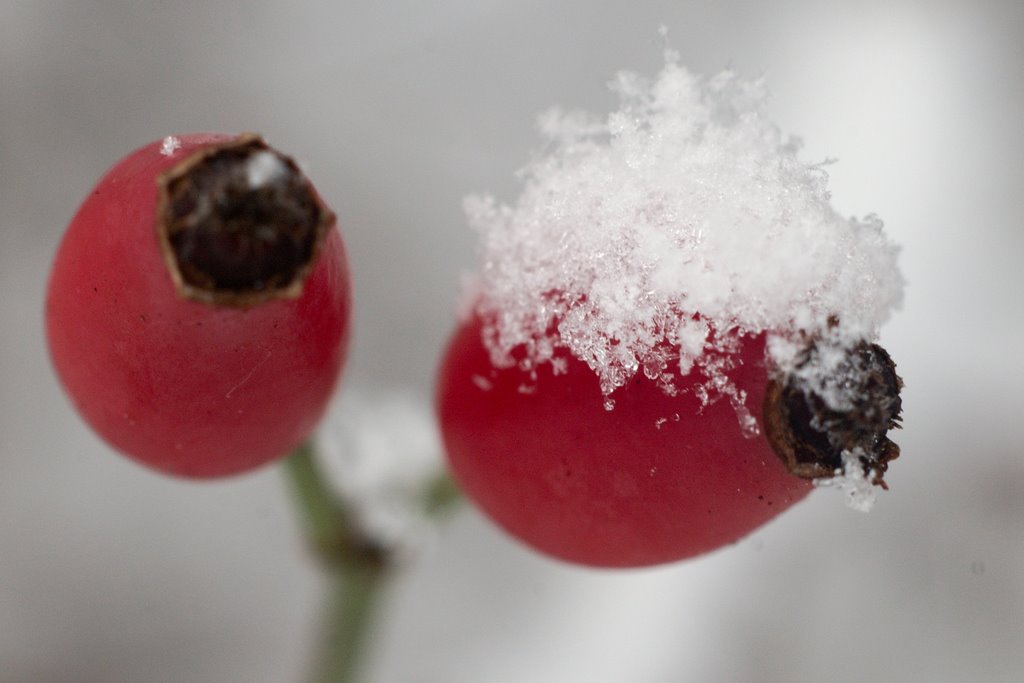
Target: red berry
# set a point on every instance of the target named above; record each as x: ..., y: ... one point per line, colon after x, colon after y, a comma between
x: 658, y: 478
x: 197, y: 312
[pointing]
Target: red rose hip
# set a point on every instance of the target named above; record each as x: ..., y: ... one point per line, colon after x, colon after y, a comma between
x: 676, y: 261
x: 658, y: 478
x: 198, y: 309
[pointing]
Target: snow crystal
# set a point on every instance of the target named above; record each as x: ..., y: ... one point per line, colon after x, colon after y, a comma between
x: 170, y: 145
x: 855, y: 484
x: 672, y: 227
x: 264, y: 168
x: 383, y: 453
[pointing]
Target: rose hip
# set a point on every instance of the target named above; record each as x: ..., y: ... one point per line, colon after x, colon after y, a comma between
x: 198, y: 308
x: 656, y: 479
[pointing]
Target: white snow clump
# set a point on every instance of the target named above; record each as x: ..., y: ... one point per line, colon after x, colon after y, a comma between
x: 671, y: 228
x: 383, y: 453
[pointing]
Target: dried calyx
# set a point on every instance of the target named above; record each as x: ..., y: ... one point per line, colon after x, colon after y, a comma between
x: 239, y: 224
x: 812, y: 424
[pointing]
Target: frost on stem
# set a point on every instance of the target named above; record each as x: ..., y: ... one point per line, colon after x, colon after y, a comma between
x: 239, y: 224
x: 383, y: 453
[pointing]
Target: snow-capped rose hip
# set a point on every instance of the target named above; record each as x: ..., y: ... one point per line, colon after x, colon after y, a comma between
x: 198, y: 308
x: 670, y: 332
x: 658, y: 478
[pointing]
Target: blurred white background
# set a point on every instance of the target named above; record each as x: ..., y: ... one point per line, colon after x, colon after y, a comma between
x: 111, y: 573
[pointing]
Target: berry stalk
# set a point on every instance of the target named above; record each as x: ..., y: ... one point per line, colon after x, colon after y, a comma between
x: 356, y: 567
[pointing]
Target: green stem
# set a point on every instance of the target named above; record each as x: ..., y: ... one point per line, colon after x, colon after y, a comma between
x: 346, y: 631
x: 356, y: 567
x: 442, y: 497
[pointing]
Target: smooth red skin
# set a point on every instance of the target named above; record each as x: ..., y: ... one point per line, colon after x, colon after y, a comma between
x: 186, y: 388
x: 608, y: 488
